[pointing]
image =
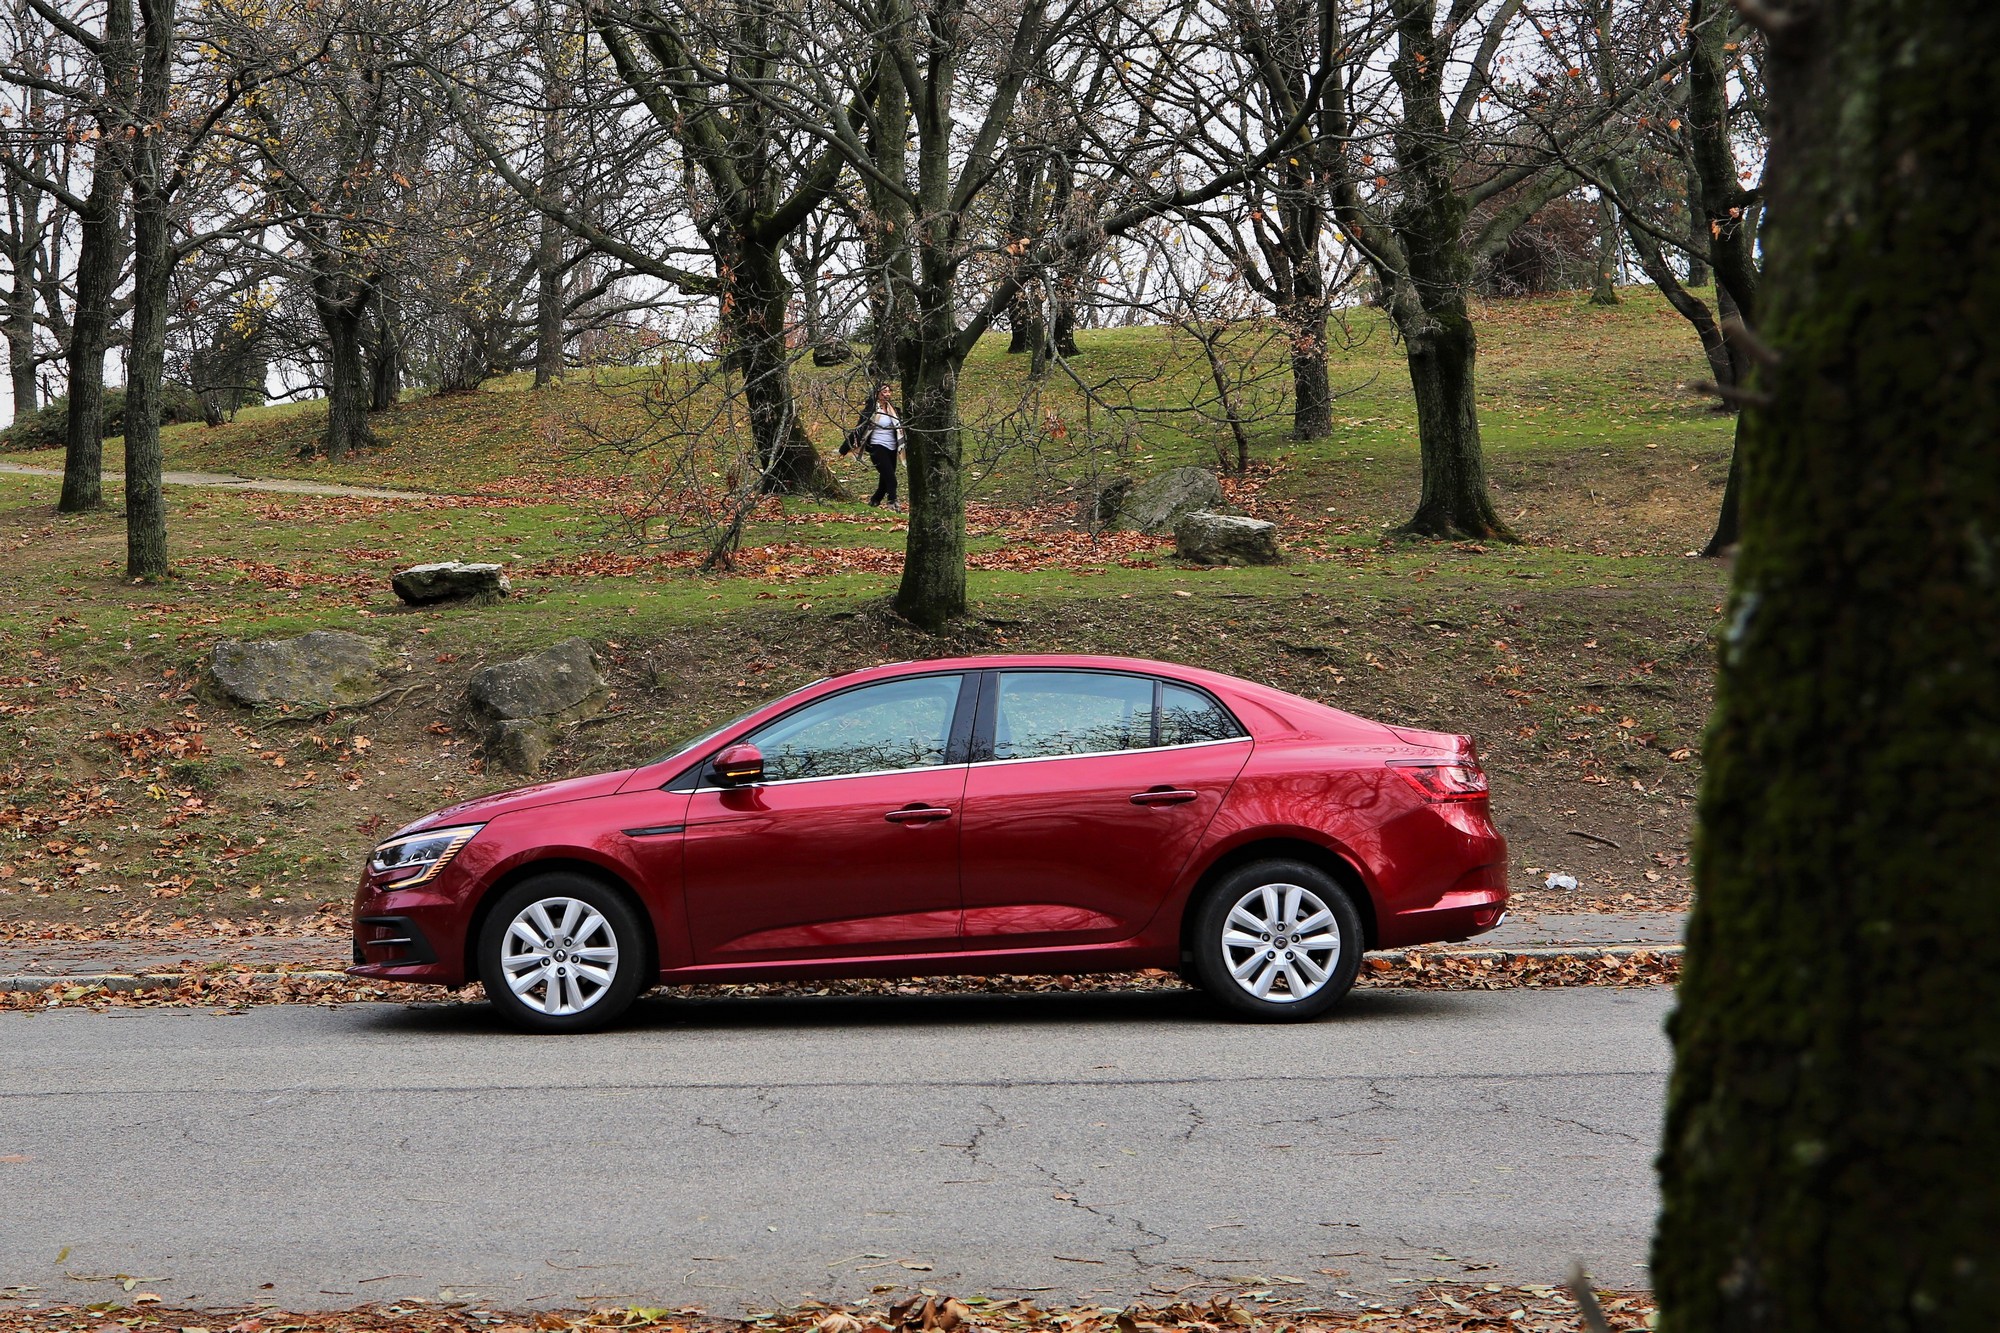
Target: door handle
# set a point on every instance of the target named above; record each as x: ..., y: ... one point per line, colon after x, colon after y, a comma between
x: 918, y: 814
x: 1164, y: 796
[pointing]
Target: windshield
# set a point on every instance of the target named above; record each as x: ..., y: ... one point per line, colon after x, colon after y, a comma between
x: 687, y: 746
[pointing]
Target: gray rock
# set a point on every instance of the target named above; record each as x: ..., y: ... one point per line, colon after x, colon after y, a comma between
x: 1155, y: 505
x: 1226, y: 539
x: 450, y: 581
x: 1099, y: 510
x: 523, y: 704
x: 520, y: 745
x: 322, y: 669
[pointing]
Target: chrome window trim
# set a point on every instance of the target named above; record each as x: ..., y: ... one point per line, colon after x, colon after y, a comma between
x: 982, y: 763
x: 1103, y: 754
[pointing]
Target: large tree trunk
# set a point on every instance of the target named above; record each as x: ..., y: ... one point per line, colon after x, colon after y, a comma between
x: 385, y: 356
x: 342, y: 312
x: 153, y: 264
x: 152, y: 280
x: 1829, y: 1156
x: 1455, y: 501
x: 1430, y: 307
x: 100, y: 258
x: 1305, y: 320
x: 932, y: 591
x: 757, y: 303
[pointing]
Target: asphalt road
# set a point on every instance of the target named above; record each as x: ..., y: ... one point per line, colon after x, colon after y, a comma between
x: 740, y: 1153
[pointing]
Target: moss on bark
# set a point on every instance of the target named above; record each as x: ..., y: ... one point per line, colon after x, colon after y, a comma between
x: 1830, y: 1156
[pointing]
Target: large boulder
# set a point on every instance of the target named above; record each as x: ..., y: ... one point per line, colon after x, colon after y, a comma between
x: 1155, y: 505
x: 323, y: 669
x: 450, y: 581
x: 1226, y: 539
x: 524, y: 703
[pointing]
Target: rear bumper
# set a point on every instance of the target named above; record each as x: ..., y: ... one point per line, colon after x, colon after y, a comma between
x: 1473, y: 905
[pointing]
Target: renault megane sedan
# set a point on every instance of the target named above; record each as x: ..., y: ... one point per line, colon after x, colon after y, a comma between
x: 1015, y: 814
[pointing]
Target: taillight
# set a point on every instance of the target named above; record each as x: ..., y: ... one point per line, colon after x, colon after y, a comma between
x: 1461, y: 780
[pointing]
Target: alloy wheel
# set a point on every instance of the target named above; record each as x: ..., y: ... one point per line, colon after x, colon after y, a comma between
x: 559, y: 956
x: 1279, y: 943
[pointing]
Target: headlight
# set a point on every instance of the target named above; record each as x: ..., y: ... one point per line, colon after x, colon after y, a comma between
x: 420, y: 855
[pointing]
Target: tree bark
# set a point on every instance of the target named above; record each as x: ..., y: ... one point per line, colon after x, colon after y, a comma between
x: 549, y: 322
x: 1455, y: 501
x: 1604, y: 291
x: 1729, y: 519
x: 342, y: 307
x: 1312, y: 393
x: 759, y: 297
x: 1027, y: 329
x: 152, y: 274
x: 1430, y: 308
x: 100, y: 258
x: 385, y: 356
x: 1828, y: 1159
x: 932, y: 591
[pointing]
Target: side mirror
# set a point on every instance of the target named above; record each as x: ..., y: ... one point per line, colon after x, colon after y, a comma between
x: 739, y: 766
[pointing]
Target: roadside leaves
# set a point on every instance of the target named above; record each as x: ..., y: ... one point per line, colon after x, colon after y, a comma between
x: 1431, y: 1308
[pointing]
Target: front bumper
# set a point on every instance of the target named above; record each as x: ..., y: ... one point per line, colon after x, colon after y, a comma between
x: 410, y: 935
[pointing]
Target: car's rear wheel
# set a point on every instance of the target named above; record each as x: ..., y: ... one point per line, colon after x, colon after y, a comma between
x: 1277, y: 941
x: 561, y: 953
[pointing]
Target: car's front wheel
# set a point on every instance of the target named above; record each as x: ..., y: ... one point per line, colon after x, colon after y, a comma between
x: 561, y: 953
x: 1277, y: 941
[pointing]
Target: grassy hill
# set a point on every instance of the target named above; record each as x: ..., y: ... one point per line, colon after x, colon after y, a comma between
x: 1580, y: 658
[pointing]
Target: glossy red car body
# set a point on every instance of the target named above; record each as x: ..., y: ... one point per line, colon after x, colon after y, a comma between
x: 1064, y: 864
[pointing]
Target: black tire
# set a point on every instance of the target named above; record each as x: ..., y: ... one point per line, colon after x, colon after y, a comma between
x: 606, y: 919
x: 1283, y: 964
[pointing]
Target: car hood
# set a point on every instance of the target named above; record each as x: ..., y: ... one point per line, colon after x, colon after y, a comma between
x: 480, y: 809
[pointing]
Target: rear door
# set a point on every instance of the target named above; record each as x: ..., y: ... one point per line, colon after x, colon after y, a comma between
x: 850, y: 847
x: 1089, y: 792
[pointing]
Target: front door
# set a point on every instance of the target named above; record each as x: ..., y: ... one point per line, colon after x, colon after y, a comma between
x: 850, y: 846
x: 1093, y: 790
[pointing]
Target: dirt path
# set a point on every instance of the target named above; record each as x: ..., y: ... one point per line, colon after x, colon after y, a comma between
x: 236, y: 483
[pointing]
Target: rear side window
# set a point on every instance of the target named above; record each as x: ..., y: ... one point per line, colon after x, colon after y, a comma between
x: 1043, y: 714
x: 1188, y: 717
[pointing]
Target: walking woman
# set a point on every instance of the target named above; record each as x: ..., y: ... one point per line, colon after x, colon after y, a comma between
x: 880, y: 432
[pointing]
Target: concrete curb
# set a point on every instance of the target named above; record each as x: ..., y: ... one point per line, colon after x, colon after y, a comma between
x: 126, y: 981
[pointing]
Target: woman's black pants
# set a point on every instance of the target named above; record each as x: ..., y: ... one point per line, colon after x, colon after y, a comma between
x: 885, y: 467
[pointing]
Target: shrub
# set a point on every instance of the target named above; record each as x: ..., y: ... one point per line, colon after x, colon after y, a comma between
x: 45, y: 429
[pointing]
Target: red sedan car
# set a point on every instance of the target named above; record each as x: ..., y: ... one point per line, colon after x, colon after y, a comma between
x: 987, y: 814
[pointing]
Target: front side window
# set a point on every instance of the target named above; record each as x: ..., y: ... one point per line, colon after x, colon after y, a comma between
x: 894, y: 725
x: 1042, y: 714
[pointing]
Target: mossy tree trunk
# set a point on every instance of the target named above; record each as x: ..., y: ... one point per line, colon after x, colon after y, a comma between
x: 1830, y: 1151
